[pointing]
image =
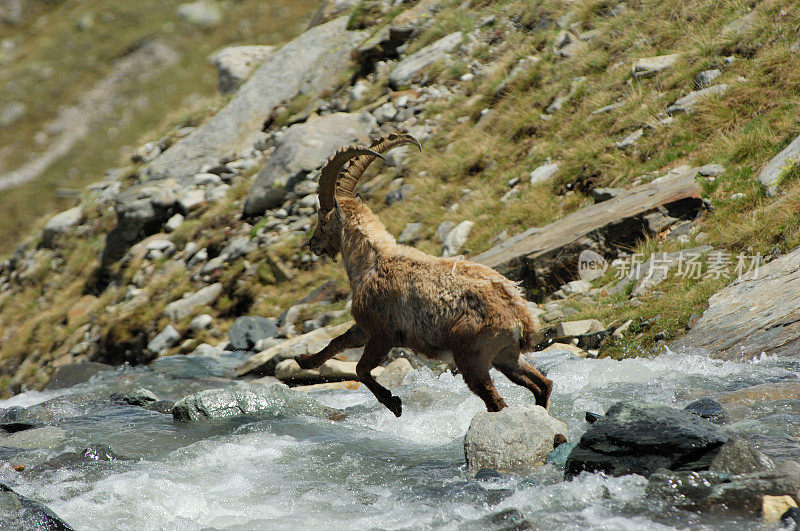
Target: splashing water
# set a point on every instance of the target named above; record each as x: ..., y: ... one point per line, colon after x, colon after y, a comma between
x: 370, y: 470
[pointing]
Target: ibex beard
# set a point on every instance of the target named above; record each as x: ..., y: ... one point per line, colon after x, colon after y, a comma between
x: 401, y: 297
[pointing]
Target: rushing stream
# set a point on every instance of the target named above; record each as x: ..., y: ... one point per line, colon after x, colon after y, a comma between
x: 370, y: 470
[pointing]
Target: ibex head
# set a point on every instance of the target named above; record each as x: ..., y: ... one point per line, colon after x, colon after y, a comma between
x: 334, y: 181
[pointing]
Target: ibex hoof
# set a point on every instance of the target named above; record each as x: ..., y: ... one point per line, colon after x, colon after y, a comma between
x: 306, y: 361
x: 395, y: 406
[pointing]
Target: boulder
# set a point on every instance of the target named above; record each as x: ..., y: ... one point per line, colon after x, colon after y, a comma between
x: 201, y: 322
x: 739, y: 493
x: 738, y: 456
x: 264, y: 363
x: 650, y: 66
x: 76, y: 373
x: 248, y: 330
x: 204, y: 13
x: 456, y: 238
x: 511, y: 440
x: 708, y: 409
x: 235, y: 63
x: 543, y: 257
x: 164, y: 340
x: 275, y: 400
x: 61, y: 223
x: 706, y: 77
x: 636, y: 438
x: 20, y: 512
x: 754, y: 314
x: 309, y: 64
x: 774, y: 507
x: 44, y: 437
x: 409, y: 68
x: 184, y: 307
x: 770, y: 177
x: 138, y: 397
x: 543, y: 173
x: 689, y: 102
x: 578, y: 328
x: 302, y: 149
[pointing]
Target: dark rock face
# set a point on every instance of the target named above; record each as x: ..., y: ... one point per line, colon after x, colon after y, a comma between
x: 19, y: 512
x: 248, y: 330
x: 636, y: 438
x: 75, y: 373
x: 742, y: 492
x: 708, y: 409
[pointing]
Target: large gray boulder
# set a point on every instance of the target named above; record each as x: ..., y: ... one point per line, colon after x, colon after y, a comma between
x: 754, y: 314
x: 410, y: 67
x: 274, y: 400
x: 636, y: 438
x: 511, y: 440
x: 772, y: 173
x: 235, y: 63
x: 61, y: 223
x: 248, y: 330
x: 20, y: 512
x: 309, y: 64
x: 301, y: 149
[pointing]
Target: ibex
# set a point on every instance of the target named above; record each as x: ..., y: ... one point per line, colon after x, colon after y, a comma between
x: 438, y: 307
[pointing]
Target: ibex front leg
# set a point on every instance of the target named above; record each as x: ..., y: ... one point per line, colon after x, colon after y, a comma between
x: 373, y: 355
x: 353, y: 338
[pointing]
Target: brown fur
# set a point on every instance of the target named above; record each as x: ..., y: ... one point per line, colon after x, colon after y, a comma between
x: 438, y: 307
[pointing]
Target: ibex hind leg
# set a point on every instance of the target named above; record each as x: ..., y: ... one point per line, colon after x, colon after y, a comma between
x: 476, y: 376
x: 354, y: 337
x: 374, y: 353
x: 520, y: 371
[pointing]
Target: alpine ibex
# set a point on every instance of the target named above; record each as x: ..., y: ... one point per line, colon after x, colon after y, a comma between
x: 438, y: 307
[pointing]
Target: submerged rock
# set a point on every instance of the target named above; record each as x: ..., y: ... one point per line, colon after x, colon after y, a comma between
x: 511, y: 440
x: 44, y: 437
x: 636, y: 438
x: 273, y: 400
x: 21, y: 512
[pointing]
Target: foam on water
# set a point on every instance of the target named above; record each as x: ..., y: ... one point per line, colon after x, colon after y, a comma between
x: 372, y: 470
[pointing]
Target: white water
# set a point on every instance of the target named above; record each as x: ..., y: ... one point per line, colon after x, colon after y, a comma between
x: 370, y: 470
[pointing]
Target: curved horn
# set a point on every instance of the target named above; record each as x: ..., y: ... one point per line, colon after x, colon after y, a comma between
x: 330, y: 171
x: 349, y: 178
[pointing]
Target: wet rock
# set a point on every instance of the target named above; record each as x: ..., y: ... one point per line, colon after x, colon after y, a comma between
x: 591, y: 418
x: 160, y: 406
x: 205, y: 13
x: 184, y: 307
x: 761, y: 393
x: 708, y: 409
x: 558, y: 457
x: 61, y: 223
x: 394, y: 373
x: 456, y: 238
x: 635, y: 438
x: 248, y: 330
x: 137, y: 397
x: 76, y: 373
x: 740, y: 493
x: 650, y: 66
x: 774, y: 507
x: 235, y: 63
x: 543, y: 173
x: 44, y: 437
x: 409, y: 68
x: 791, y: 518
x: 275, y: 400
x: 511, y: 440
x: 21, y: 512
x: 166, y: 339
x: 738, y: 456
x: 302, y: 149
x: 770, y: 177
x: 689, y: 102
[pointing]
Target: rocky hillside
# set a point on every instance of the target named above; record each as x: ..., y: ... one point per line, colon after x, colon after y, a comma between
x: 659, y: 134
